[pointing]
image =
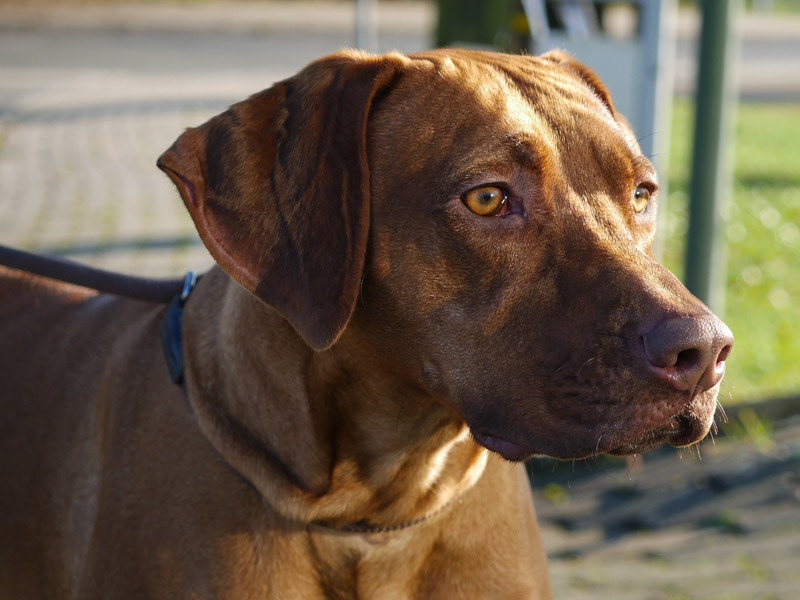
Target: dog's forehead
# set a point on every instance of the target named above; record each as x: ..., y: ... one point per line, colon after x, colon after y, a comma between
x: 467, y: 97
x: 522, y: 89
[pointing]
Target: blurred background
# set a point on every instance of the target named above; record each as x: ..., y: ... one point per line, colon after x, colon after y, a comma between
x: 92, y: 91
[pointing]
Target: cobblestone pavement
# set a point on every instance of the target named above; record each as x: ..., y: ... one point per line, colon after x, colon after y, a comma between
x: 87, y: 106
x: 78, y: 177
x: 73, y: 184
x: 672, y: 526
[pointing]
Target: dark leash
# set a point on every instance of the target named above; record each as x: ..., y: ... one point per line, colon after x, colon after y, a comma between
x: 174, y: 292
x: 159, y: 291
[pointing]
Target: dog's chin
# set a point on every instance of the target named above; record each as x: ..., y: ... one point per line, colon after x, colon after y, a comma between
x: 684, y: 429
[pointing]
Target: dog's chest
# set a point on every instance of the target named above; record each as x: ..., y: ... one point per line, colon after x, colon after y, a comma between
x: 354, y: 566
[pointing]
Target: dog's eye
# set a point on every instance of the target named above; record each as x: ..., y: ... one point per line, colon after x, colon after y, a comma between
x: 641, y: 199
x: 486, y: 201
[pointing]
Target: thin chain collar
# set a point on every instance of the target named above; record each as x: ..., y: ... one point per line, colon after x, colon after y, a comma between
x: 366, y: 527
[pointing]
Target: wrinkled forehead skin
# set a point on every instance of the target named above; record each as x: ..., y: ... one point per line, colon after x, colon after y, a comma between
x: 522, y: 324
x: 476, y: 109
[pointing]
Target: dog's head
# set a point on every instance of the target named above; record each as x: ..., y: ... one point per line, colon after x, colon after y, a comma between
x: 482, y: 219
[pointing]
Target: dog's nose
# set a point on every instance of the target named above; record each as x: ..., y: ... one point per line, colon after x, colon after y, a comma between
x: 688, y: 352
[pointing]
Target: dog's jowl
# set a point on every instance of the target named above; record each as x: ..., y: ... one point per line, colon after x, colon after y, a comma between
x: 430, y: 268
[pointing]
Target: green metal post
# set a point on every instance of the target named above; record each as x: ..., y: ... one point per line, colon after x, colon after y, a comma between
x: 710, y: 178
x: 471, y: 21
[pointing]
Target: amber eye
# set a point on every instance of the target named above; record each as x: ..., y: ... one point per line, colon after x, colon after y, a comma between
x: 485, y: 201
x: 641, y: 199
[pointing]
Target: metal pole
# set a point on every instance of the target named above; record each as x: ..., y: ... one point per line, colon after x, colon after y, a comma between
x: 658, y: 32
x: 536, y: 14
x: 710, y: 178
x: 367, y: 25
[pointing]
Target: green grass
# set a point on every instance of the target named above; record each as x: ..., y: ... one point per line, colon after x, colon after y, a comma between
x: 762, y: 234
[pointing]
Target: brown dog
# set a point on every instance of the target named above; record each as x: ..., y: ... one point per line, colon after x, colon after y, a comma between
x: 423, y: 258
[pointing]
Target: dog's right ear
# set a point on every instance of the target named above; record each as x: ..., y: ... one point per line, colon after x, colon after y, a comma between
x: 585, y: 73
x: 591, y: 79
x: 278, y: 188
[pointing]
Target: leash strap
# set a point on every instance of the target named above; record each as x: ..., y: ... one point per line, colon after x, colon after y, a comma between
x: 172, y: 330
x: 160, y: 291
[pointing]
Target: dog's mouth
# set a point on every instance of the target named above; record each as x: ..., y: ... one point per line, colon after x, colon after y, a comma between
x: 508, y: 450
x: 686, y: 428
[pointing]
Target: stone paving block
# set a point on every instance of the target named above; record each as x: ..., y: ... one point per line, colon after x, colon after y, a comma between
x: 82, y: 182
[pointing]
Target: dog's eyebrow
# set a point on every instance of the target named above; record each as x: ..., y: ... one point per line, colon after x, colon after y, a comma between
x: 520, y: 141
x: 644, y: 168
x: 515, y: 148
x: 524, y: 148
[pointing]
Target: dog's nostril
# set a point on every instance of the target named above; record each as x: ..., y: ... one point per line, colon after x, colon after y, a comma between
x: 724, y: 354
x: 686, y: 359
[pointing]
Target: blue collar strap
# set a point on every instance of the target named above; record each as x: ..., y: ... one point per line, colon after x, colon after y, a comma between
x: 171, y: 330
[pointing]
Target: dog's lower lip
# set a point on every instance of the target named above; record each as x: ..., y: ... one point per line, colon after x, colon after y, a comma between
x: 506, y: 449
x: 643, y: 444
x: 682, y: 430
x: 690, y: 430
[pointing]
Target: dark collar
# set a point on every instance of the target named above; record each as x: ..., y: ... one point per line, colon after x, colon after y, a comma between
x: 172, y: 330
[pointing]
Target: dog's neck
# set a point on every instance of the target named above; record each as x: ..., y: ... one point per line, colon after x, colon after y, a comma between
x: 330, y: 437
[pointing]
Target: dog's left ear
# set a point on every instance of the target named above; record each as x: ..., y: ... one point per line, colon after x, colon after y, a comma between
x: 278, y: 188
